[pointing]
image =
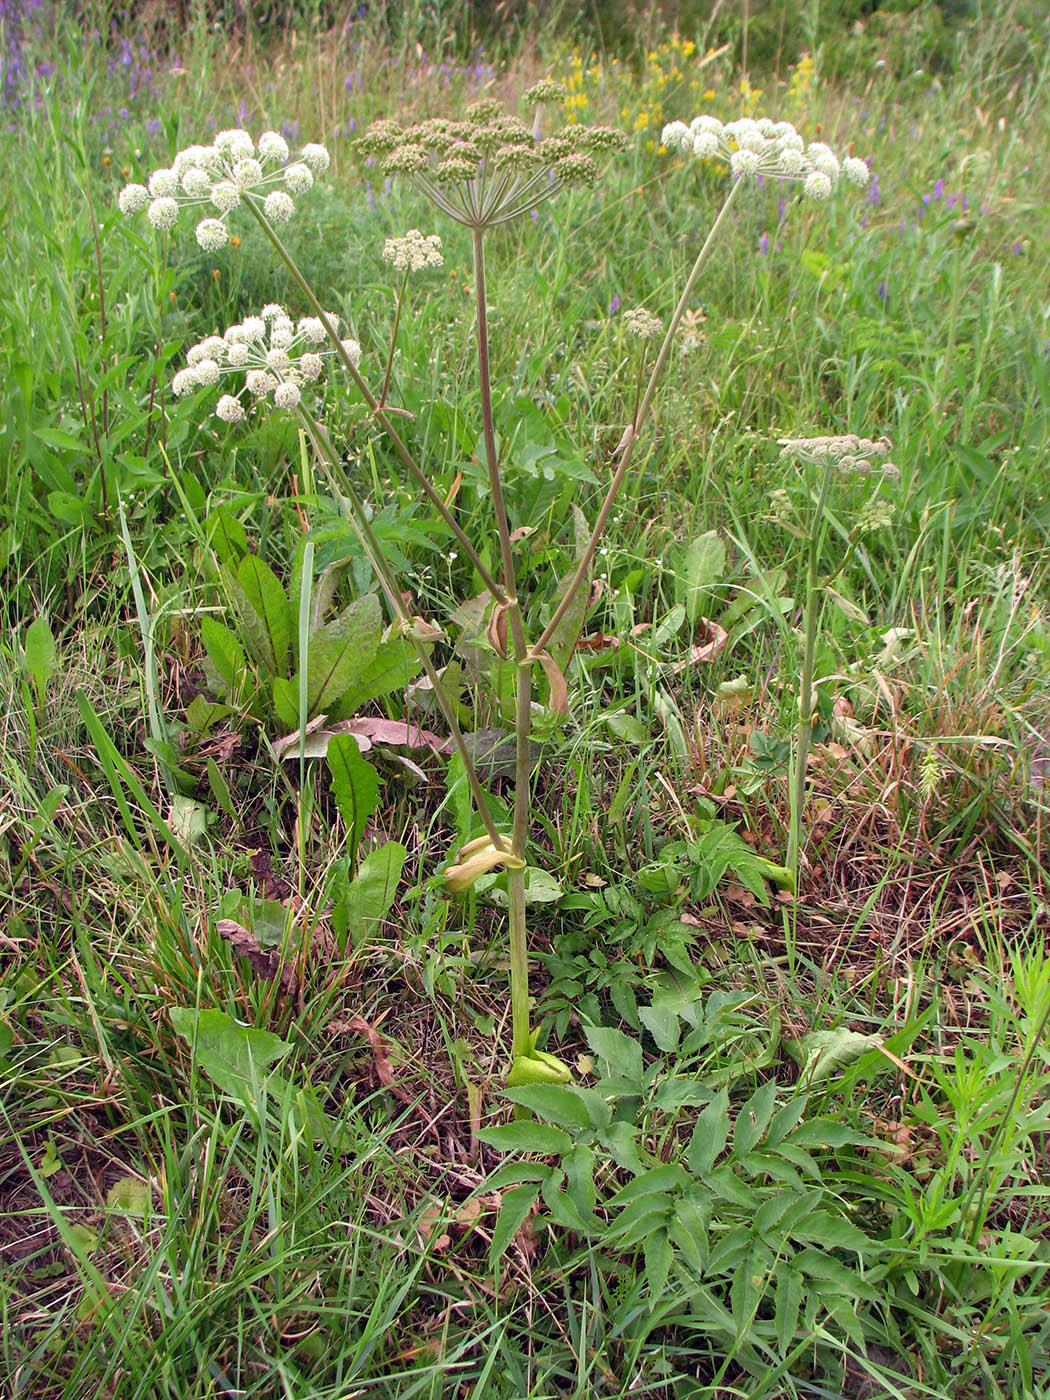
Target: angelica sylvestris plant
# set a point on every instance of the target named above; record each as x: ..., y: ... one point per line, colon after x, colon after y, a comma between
x: 821, y: 461
x: 482, y: 172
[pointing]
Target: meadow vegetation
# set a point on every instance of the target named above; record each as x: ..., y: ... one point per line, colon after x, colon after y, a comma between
x: 778, y: 1124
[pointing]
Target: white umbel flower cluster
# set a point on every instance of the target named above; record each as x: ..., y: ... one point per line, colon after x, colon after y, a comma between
x: 772, y: 149
x: 214, y: 179
x: 274, y: 356
x: 849, y: 454
x: 641, y: 323
x: 413, y: 251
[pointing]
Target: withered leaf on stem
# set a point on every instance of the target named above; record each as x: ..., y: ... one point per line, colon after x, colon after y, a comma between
x: 266, y: 963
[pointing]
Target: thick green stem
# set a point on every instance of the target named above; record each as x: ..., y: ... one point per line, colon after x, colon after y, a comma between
x: 399, y: 447
x: 518, y: 928
x: 506, y: 549
x: 359, y: 518
x: 632, y: 434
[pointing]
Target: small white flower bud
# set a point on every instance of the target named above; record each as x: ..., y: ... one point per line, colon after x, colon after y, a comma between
x: 238, y: 354
x: 225, y: 196
x: 298, y: 178
x: 247, y: 172
x: 214, y: 347
x: 278, y: 207
x: 675, y: 136
x: 212, y: 234
x: 229, y: 410
x: 316, y: 157
x: 353, y: 352
x: 207, y: 371
x: 311, y: 329
x: 182, y: 162
x: 163, y: 212
x: 259, y: 383
x: 235, y: 144
x: 196, y: 183
x: 744, y: 163
x: 281, y: 335
x: 817, y: 186
x: 132, y: 198
x: 641, y: 323
x: 311, y: 365
x: 287, y: 395
x: 277, y: 358
x: 823, y: 158
x: 752, y: 139
x: 856, y: 172
x: 792, y: 163
x: 706, y: 123
x: 253, y: 328
x: 273, y: 146
x: 185, y: 382
x: 705, y: 145
x: 272, y: 310
x: 163, y: 182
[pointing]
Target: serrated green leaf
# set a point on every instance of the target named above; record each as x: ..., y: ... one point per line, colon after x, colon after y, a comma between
x: 622, y: 1053
x: 821, y: 1053
x: 753, y: 1118
x: 830, y: 1231
x: 286, y: 702
x: 788, y: 1299
x: 514, y: 1174
x: 619, y: 1140
x: 658, y: 1256
x: 40, y: 654
x: 563, y: 1105
x: 264, y: 612
x: 374, y: 888
x: 703, y: 565
x: 393, y: 666
x: 355, y: 785
x: 662, y: 1025
x: 129, y: 1196
x: 579, y: 1165
x: 816, y: 1264
x: 710, y: 1136
x: 235, y: 1058
x: 747, y: 1288
x: 340, y: 652
x: 657, y: 1180
x: 226, y: 656
x: 513, y: 1212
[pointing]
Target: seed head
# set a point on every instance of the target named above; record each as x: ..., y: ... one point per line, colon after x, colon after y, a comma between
x: 545, y: 91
